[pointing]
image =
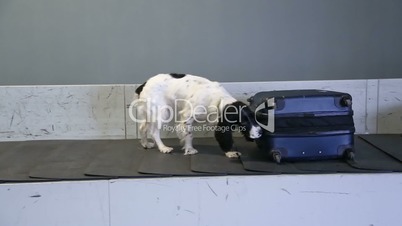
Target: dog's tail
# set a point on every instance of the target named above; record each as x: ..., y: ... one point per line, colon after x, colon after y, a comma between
x: 139, y: 89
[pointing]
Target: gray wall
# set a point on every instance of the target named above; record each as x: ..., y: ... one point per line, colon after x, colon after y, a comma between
x: 126, y: 41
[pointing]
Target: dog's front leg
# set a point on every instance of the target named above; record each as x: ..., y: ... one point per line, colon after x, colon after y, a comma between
x: 223, y: 135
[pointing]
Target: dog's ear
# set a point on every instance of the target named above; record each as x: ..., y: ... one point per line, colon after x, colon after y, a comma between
x: 247, y: 114
x: 233, y: 112
x: 247, y: 121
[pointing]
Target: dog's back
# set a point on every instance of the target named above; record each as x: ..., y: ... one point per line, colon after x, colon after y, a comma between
x: 170, y: 87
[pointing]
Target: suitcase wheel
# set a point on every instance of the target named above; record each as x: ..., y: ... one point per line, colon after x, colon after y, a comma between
x: 276, y: 156
x: 350, y: 154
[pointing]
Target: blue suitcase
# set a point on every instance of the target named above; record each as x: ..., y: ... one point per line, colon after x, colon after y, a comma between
x: 308, y: 124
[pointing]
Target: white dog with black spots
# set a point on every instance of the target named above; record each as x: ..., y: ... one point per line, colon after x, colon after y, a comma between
x: 200, y: 100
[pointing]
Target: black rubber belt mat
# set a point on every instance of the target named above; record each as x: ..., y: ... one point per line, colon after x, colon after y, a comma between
x: 211, y: 159
x: 18, y: 158
x: 388, y: 143
x: 123, y: 159
x: 172, y: 164
x: 329, y: 166
x: 69, y: 160
x: 259, y: 161
x: 369, y: 157
x: 58, y: 160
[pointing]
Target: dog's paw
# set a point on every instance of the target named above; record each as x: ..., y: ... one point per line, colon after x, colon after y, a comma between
x: 166, y: 149
x: 148, y: 145
x: 190, y: 151
x: 233, y: 154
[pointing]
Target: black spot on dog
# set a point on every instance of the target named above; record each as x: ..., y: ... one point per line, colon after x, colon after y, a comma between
x: 139, y: 89
x: 175, y: 75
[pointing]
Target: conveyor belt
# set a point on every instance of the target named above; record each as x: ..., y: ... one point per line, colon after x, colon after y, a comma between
x: 104, y: 159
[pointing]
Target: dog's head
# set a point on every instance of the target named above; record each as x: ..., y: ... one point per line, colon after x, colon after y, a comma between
x: 240, y: 114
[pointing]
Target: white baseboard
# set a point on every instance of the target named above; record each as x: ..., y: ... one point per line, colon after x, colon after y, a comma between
x: 314, y: 200
x: 390, y: 106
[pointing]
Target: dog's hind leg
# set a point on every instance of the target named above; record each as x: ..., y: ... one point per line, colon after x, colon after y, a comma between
x: 184, y: 132
x: 144, y: 138
x: 155, y: 133
x: 143, y: 126
x: 155, y: 128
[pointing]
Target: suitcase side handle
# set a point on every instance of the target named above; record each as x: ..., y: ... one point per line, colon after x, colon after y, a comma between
x: 346, y: 101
